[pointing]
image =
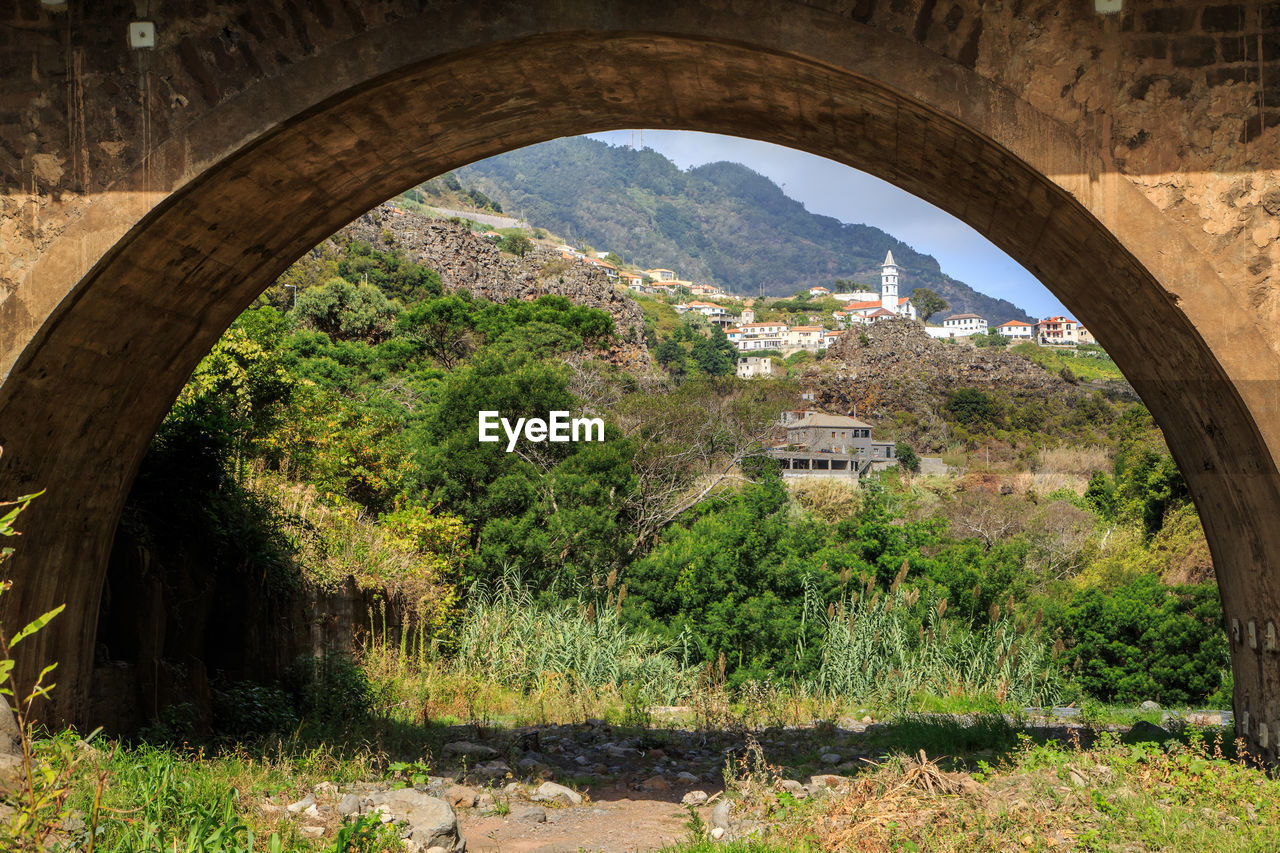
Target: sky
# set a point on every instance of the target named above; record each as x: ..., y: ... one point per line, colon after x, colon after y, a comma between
x: 832, y: 189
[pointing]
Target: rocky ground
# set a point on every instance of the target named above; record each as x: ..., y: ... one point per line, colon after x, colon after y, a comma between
x: 894, y: 366
x: 469, y: 262
x: 594, y: 786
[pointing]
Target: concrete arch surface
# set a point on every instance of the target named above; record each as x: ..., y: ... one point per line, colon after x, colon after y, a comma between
x: 102, y: 331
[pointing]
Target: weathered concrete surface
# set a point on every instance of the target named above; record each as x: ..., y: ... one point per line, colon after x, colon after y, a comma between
x: 1129, y: 161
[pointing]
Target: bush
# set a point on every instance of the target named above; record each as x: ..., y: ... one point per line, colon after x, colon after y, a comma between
x: 972, y: 407
x: 247, y: 709
x: 330, y: 690
x: 1142, y: 640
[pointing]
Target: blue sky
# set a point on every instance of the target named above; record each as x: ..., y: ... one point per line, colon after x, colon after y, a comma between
x: 829, y: 188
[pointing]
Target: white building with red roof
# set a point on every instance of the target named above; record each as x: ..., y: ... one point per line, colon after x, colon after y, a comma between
x: 1058, y: 330
x: 1017, y: 330
x: 706, y: 309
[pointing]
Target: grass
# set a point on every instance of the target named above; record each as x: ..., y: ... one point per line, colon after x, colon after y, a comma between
x: 882, y: 652
x: 1088, y: 364
x: 1189, y: 796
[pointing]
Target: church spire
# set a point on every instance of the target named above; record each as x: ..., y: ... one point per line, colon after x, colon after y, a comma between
x: 889, y: 284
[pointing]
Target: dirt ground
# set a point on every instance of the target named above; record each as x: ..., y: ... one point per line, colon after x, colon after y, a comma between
x: 612, y: 822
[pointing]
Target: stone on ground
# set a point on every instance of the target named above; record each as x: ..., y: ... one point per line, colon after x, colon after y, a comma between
x: 468, y: 749
x: 655, y: 783
x: 460, y: 796
x: 553, y: 792
x: 1144, y: 732
x: 432, y: 821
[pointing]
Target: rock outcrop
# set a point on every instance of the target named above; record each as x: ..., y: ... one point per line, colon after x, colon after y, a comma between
x: 893, y: 367
x: 465, y: 261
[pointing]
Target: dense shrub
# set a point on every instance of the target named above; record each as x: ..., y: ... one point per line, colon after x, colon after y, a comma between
x: 1143, y: 640
x: 329, y: 690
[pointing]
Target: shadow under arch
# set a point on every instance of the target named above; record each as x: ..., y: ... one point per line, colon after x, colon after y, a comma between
x: 86, y: 391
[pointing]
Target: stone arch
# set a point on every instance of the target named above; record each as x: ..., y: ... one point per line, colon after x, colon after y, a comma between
x: 100, y: 334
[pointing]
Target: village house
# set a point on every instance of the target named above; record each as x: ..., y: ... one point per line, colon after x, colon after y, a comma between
x: 751, y: 366
x: 660, y: 289
x: 1060, y: 331
x: 819, y: 291
x: 609, y: 269
x: 1017, y: 330
x: 823, y: 445
x: 810, y: 338
x: 660, y: 274
x: 633, y: 281
x: 706, y: 309
x: 758, y: 336
x: 959, y: 326
x: 705, y: 290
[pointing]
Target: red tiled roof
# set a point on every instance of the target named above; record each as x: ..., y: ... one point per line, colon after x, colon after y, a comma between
x: 873, y: 303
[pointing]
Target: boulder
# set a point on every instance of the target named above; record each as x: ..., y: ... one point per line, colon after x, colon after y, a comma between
x: 694, y: 798
x: 551, y: 792
x: 720, y: 815
x: 529, y: 814
x: 348, y: 805
x: 466, y: 749
x: 655, y: 783
x: 302, y: 805
x: 432, y: 822
x: 460, y: 796
x: 828, y: 780
x: 795, y: 789
x: 1144, y: 732
x: 490, y: 771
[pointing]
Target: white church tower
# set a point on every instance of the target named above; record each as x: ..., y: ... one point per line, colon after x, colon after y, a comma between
x: 889, y: 284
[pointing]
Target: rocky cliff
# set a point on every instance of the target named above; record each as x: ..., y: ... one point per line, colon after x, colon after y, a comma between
x: 893, y: 367
x: 468, y: 262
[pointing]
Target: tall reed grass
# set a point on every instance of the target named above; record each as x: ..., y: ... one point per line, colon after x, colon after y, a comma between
x: 517, y: 644
x: 890, y: 650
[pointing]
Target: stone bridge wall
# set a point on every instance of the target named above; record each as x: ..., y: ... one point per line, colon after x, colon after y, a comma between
x: 1184, y: 97
x: 148, y: 195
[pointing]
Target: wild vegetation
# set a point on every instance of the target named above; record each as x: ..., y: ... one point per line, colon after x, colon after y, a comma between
x: 330, y: 438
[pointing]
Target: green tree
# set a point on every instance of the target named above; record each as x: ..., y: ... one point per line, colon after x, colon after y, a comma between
x: 972, y: 407
x: 671, y: 356
x: 442, y: 328
x: 347, y: 311
x: 1143, y: 640
x: 990, y: 338
x: 907, y: 457
x: 517, y: 244
x: 927, y: 302
x: 714, y: 354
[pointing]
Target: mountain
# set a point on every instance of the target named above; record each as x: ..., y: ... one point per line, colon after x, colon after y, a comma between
x: 720, y: 223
